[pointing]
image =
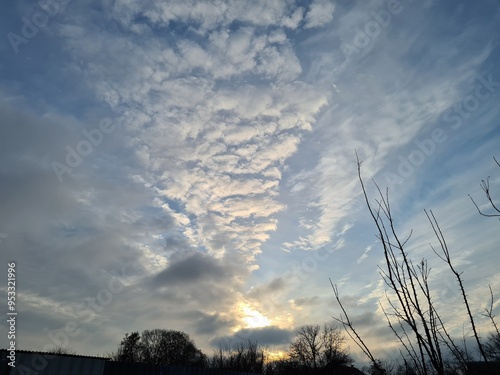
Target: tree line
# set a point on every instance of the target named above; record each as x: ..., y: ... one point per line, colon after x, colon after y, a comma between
x: 315, y: 349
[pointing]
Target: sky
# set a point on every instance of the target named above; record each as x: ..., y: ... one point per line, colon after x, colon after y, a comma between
x: 191, y: 165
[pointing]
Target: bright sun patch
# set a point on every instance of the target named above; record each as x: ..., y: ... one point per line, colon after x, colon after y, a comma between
x: 253, y: 318
x: 275, y: 355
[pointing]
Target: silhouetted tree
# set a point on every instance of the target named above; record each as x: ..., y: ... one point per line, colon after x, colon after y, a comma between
x: 247, y: 357
x: 333, y: 351
x: 283, y: 367
x: 380, y: 367
x: 160, y: 346
x: 306, y: 347
x: 129, y: 349
x: 316, y: 347
x: 495, y: 210
x: 492, y: 347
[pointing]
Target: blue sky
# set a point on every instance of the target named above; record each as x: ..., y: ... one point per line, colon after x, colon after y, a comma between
x: 190, y: 165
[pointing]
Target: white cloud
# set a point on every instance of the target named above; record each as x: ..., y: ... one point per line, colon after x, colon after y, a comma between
x: 320, y: 12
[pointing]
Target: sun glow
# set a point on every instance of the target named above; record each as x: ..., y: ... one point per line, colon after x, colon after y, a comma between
x: 253, y: 318
x: 275, y: 355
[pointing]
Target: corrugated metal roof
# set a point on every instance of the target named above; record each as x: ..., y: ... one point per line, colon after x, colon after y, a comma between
x: 60, y: 355
x: 120, y: 368
x: 69, y: 364
x: 56, y: 365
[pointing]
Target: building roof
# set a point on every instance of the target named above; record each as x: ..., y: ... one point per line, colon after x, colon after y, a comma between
x: 43, y: 363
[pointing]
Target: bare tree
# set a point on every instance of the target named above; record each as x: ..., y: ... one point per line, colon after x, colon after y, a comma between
x: 160, y: 346
x: 354, y: 335
x: 248, y: 357
x: 412, y: 315
x: 317, y: 347
x: 485, y: 185
x: 306, y: 347
x: 129, y: 349
x: 374, y: 369
x: 333, y: 351
x: 492, y: 346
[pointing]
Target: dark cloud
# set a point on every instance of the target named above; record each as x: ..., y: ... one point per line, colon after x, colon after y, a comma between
x: 188, y: 269
x: 260, y: 292
x: 210, y: 324
x: 277, y: 284
x: 174, y: 243
x: 263, y: 336
x: 307, y: 301
x: 366, y: 319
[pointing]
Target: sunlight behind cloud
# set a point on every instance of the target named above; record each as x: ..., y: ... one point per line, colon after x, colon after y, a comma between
x: 253, y: 318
